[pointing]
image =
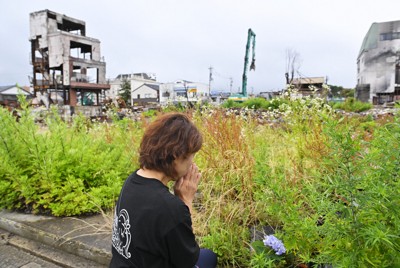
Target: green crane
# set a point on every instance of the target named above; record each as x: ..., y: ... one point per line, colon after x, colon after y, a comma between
x: 242, y: 96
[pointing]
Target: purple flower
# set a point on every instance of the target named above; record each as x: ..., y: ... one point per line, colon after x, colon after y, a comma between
x: 275, y: 244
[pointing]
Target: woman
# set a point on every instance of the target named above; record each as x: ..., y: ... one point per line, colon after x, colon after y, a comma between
x: 152, y: 227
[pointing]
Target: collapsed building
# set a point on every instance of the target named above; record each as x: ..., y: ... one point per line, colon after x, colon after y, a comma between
x: 67, y: 65
x: 378, y: 64
x: 309, y: 86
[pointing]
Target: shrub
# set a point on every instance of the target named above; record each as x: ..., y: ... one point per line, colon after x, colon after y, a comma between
x: 256, y: 103
x: 231, y: 104
x: 61, y: 169
x: 353, y: 105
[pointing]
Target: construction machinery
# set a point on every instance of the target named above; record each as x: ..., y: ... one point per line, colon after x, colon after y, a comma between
x: 242, y: 96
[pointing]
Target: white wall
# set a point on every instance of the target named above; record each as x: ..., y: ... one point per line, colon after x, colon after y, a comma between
x: 115, y: 86
x: 145, y: 92
x: 200, y: 90
x: 196, y: 91
x: 137, y: 82
x: 376, y: 64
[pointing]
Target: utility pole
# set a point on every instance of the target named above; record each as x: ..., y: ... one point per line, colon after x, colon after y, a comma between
x: 209, y: 81
x: 230, y: 84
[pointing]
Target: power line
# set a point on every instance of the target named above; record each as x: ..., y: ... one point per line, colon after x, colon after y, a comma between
x: 221, y: 75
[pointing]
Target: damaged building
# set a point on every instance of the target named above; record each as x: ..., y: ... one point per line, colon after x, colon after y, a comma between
x: 66, y: 63
x: 378, y: 64
x: 310, y: 86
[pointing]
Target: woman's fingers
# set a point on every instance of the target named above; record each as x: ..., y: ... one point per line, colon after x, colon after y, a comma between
x: 190, y: 181
x: 194, y: 174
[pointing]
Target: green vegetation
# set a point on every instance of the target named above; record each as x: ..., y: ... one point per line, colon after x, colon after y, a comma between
x: 328, y: 185
x: 352, y: 105
x: 256, y: 103
x: 64, y: 169
x: 150, y: 113
x: 125, y: 91
x: 339, y: 91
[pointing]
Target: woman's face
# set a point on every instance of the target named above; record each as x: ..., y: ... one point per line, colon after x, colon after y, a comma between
x: 182, y: 165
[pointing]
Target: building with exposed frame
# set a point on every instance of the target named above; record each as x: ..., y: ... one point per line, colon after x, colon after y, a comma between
x: 65, y: 60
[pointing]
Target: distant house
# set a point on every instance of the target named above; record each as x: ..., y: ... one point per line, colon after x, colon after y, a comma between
x: 146, y: 93
x: 115, y: 85
x: 9, y: 95
x: 219, y: 96
x: 146, y: 89
x: 378, y: 64
x: 182, y: 91
x: 136, y: 81
x: 309, y: 86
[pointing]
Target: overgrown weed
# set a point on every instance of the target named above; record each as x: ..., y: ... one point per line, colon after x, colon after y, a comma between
x: 326, y: 184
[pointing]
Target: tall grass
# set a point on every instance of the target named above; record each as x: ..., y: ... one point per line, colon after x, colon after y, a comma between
x: 310, y: 178
x: 227, y: 206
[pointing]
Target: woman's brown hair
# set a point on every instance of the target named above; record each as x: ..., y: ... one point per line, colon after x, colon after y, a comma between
x: 169, y: 137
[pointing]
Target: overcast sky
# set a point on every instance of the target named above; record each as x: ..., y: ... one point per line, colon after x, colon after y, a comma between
x: 182, y: 39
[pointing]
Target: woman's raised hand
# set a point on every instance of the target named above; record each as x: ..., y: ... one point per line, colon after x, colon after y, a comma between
x: 186, y: 187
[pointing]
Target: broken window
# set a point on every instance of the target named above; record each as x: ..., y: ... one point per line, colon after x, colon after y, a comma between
x: 85, y: 75
x: 390, y: 36
x: 80, y: 51
x: 71, y: 27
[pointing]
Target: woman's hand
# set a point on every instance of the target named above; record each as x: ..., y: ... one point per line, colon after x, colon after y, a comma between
x: 186, y: 187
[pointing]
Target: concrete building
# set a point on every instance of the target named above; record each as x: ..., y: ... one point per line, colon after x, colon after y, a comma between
x: 65, y: 60
x: 378, y: 64
x: 143, y: 86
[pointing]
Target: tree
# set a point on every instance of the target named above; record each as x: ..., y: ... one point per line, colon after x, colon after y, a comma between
x: 292, y: 64
x: 336, y: 90
x: 339, y: 91
x: 125, y: 91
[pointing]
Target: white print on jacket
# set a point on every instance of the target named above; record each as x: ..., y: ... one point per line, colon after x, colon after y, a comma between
x: 121, y: 235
